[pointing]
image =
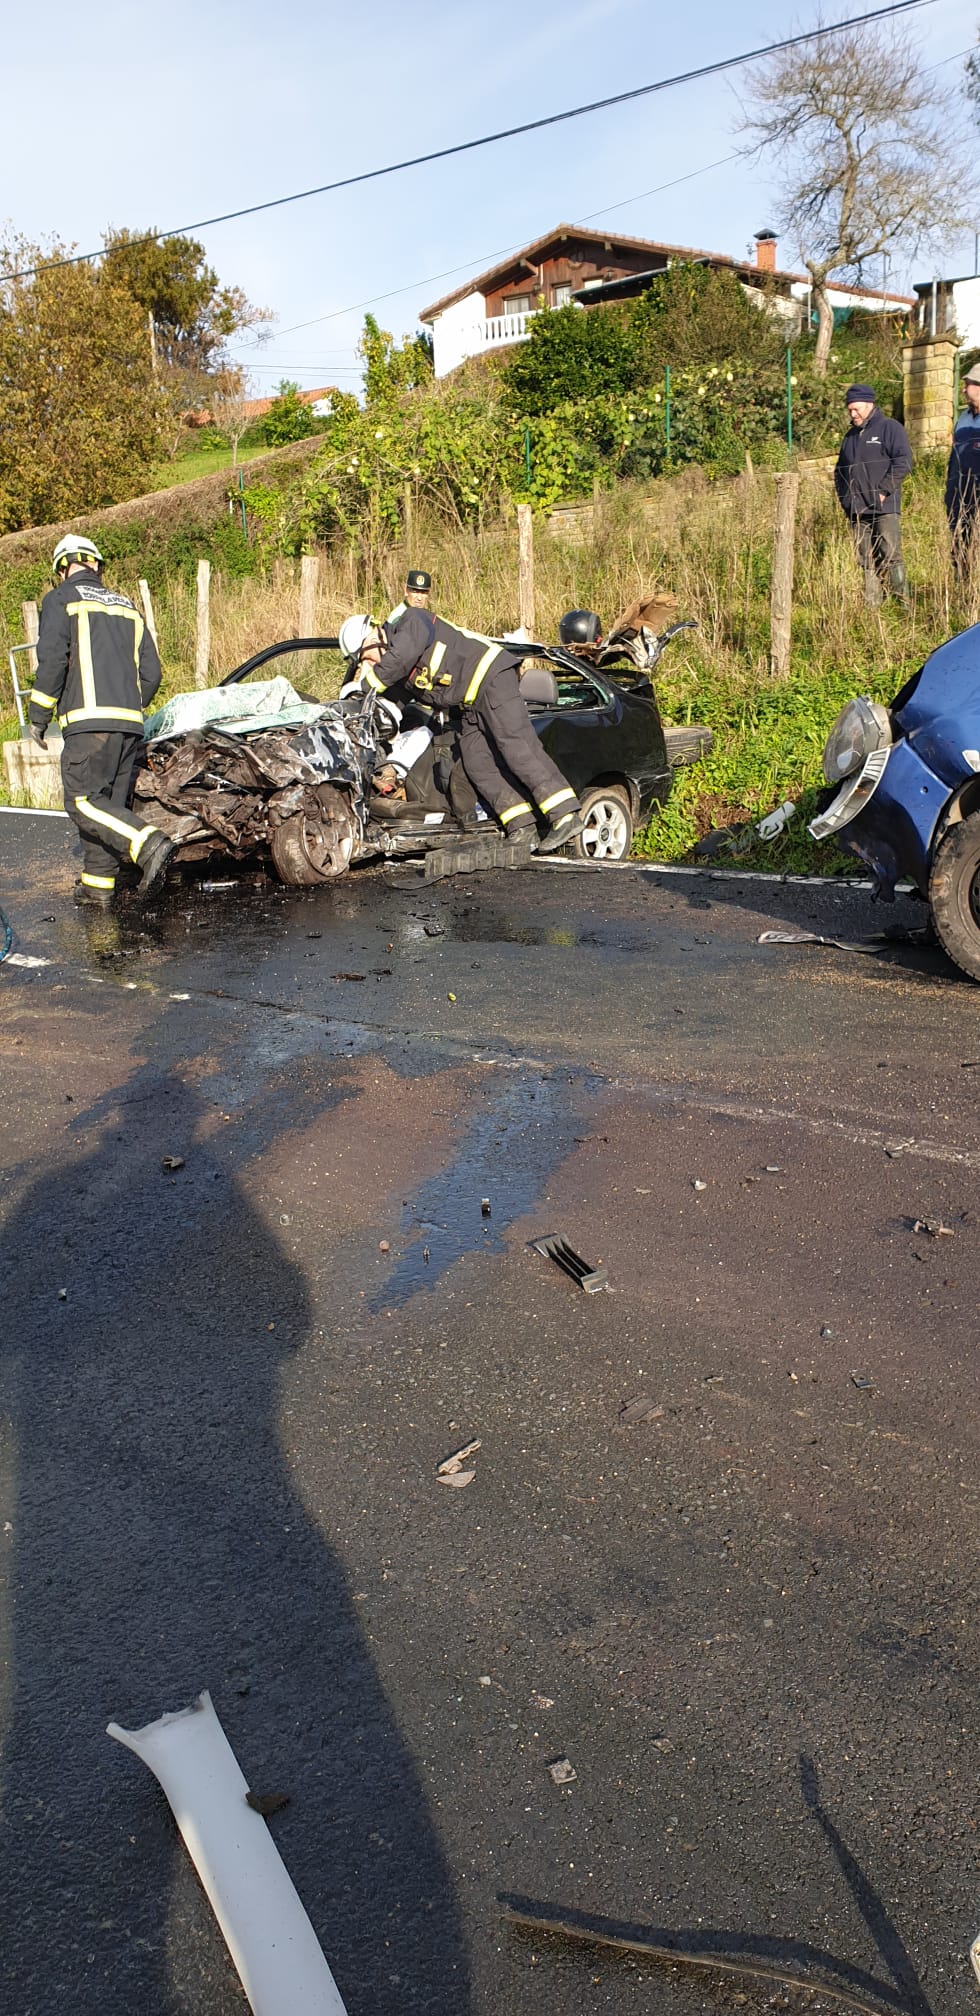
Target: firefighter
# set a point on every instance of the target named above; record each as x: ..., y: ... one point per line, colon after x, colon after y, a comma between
x: 97, y: 667
x: 500, y: 752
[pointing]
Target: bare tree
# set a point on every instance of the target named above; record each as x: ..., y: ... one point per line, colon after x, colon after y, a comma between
x: 232, y: 408
x: 869, y: 152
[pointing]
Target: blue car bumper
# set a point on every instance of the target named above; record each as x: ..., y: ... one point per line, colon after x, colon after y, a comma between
x: 894, y: 835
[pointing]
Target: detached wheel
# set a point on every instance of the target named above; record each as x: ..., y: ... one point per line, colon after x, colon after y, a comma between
x: 608, y: 830
x: 954, y: 895
x: 314, y: 847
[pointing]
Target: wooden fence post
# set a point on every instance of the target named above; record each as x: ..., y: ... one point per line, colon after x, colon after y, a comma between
x: 151, y: 621
x: 525, y: 568
x: 309, y: 568
x: 781, y: 599
x: 203, y: 646
x: 29, y: 617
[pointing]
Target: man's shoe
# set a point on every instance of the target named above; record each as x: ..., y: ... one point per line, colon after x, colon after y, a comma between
x: 524, y: 835
x: 153, y: 858
x: 561, y: 832
x: 91, y: 897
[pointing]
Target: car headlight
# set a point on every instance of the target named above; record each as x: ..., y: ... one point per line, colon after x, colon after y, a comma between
x: 860, y: 728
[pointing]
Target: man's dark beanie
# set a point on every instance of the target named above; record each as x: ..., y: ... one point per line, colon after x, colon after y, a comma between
x: 858, y: 392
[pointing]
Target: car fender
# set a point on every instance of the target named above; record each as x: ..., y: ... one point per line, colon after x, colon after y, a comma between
x: 960, y: 806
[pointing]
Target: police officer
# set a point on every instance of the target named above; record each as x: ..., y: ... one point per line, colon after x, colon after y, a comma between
x: 454, y: 668
x: 418, y: 587
x: 963, y: 474
x: 98, y: 667
x: 875, y: 457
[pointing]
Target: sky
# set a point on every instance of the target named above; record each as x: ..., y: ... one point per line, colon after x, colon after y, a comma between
x: 160, y: 118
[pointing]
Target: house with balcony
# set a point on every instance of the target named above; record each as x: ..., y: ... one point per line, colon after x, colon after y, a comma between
x: 571, y: 264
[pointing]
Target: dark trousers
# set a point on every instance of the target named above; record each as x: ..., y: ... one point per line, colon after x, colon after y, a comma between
x: 962, y: 514
x: 497, y: 736
x: 878, y: 544
x: 96, y: 777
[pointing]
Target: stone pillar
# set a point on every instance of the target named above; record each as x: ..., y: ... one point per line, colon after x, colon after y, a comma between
x: 929, y: 381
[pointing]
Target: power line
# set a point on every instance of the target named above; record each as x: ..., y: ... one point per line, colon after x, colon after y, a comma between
x: 490, y: 139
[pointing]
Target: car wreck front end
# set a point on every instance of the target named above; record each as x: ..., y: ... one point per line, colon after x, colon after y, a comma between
x: 905, y: 773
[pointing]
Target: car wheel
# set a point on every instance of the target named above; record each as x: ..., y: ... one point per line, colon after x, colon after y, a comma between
x: 608, y: 831
x: 307, y: 848
x: 954, y: 894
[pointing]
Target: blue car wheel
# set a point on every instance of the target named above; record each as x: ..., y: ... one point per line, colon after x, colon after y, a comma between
x: 954, y: 894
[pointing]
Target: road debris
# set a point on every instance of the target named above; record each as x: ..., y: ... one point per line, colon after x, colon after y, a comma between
x: 633, y: 1412
x: 934, y: 1226
x: 267, y: 1803
x: 863, y: 1385
x: 484, y: 1207
x: 434, y: 930
x: 268, y: 1934
x: 458, y: 1479
x: 552, y: 1247
x: 542, y: 1701
x: 171, y: 1162
x: 450, y: 997
x: 561, y: 1772
x: 698, y: 1185
x: 452, y: 1465
x: 879, y: 941
x: 25, y: 959
x: 349, y: 976
x: 599, y: 1932
x: 384, y: 1246
x: 211, y: 888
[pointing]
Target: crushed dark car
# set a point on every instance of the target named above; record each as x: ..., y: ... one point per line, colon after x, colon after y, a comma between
x: 305, y: 790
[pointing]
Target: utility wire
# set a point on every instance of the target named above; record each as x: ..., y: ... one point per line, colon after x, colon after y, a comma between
x: 490, y: 139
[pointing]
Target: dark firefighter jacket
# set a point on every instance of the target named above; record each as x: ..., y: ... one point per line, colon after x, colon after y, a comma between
x: 97, y: 665
x: 963, y: 473
x: 872, y: 464
x: 442, y: 664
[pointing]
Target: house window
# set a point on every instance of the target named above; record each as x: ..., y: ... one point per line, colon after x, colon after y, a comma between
x: 561, y: 296
x: 518, y: 304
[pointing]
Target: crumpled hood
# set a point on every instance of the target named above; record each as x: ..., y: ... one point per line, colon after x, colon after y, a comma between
x: 939, y: 709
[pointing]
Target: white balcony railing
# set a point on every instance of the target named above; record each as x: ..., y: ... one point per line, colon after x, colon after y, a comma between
x: 499, y: 329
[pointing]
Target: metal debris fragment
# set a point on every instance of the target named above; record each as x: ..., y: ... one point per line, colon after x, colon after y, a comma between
x: 561, y: 1772
x: 452, y: 1465
x: 458, y: 1479
x: 571, y: 1263
x: 863, y: 1385
x: 171, y: 1162
x: 934, y: 1226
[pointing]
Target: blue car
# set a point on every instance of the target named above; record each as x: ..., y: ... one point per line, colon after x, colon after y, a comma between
x: 908, y: 802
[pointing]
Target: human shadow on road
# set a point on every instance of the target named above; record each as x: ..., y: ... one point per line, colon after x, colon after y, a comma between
x: 160, y: 1545
x: 762, y: 1956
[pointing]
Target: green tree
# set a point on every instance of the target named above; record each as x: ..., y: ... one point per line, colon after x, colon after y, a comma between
x: 289, y: 417
x: 693, y: 316
x: 389, y: 370
x: 80, y: 412
x: 193, y: 317
x: 569, y: 354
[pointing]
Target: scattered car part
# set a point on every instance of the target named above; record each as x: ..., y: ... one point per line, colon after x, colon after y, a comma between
x: 451, y: 1465
x: 571, y: 1263
x: 171, y: 1162
x: 457, y: 1478
x: 871, y: 945
x: 267, y: 1931
x: 934, y: 1226
x: 598, y: 1933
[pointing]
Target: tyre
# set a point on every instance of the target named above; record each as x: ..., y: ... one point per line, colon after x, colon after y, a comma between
x: 314, y: 847
x: 608, y: 831
x: 954, y: 894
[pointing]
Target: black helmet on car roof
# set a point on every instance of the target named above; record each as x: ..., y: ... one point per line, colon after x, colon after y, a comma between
x: 580, y: 626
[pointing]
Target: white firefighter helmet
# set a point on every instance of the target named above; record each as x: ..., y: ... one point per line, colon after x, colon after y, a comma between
x: 354, y: 632
x: 75, y: 548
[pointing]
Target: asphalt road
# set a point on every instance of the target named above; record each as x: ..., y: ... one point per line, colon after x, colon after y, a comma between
x: 748, y: 1621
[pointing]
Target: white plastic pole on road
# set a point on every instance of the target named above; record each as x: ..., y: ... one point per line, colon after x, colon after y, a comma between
x: 268, y: 1933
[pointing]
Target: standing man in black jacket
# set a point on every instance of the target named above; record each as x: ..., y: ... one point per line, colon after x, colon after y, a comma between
x: 874, y: 460
x: 97, y: 668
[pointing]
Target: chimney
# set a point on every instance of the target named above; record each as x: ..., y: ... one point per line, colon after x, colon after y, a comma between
x: 765, y: 251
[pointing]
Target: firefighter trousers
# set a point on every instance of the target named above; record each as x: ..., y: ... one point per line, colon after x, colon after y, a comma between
x: 503, y: 758
x: 96, y: 776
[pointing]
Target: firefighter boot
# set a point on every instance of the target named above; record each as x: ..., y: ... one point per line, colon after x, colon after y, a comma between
x: 94, y: 895
x: 561, y: 832
x: 153, y: 858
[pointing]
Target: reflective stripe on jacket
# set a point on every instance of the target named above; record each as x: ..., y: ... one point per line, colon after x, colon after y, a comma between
x: 441, y: 662
x: 97, y: 665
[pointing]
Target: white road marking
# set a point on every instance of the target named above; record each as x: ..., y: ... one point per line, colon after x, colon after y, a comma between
x: 33, y: 812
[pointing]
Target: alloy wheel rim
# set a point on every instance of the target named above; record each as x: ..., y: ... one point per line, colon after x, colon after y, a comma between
x: 605, y: 835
